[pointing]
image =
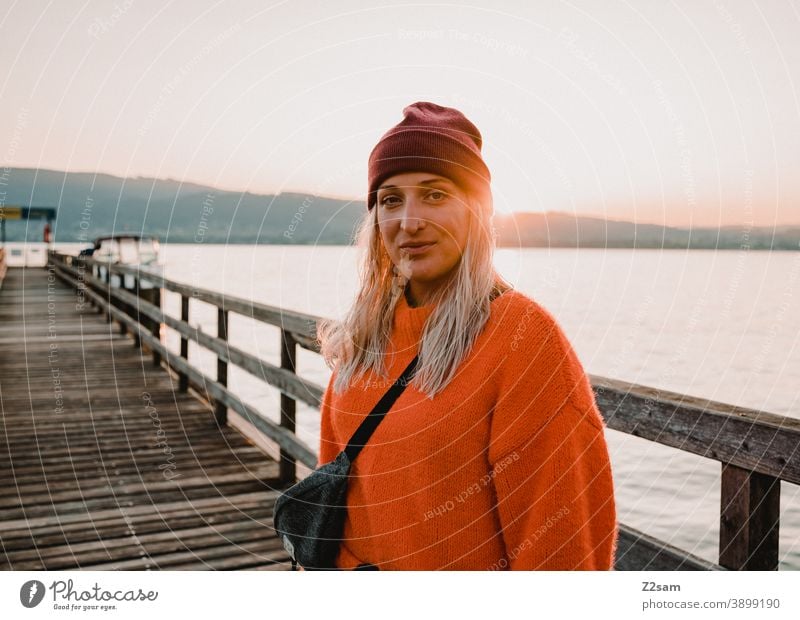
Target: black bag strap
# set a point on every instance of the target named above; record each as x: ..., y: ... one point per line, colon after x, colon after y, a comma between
x: 370, y: 423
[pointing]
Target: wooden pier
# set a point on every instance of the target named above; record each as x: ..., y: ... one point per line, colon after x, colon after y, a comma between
x: 120, y: 454
x: 106, y: 464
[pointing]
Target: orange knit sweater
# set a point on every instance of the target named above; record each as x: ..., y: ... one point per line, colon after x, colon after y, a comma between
x: 506, y: 468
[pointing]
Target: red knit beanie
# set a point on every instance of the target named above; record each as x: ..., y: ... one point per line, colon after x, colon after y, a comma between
x: 430, y: 138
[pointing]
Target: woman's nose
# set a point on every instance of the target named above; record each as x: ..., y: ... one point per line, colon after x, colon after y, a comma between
x: 411, y: 218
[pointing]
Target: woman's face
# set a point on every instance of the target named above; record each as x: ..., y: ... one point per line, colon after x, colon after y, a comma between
x: 416, y: 208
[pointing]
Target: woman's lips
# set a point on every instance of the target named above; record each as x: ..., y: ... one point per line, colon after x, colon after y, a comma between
x: 420, y: 249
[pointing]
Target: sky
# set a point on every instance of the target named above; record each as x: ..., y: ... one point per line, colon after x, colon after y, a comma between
x: 677, y: 113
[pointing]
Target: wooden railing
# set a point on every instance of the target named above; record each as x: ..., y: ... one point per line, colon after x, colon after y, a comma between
x: 139, y: 310
x: 2, y: 264
x: 756, y: 450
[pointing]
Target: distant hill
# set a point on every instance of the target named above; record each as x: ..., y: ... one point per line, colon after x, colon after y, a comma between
x: 91, y: 204
x: 554, y: 229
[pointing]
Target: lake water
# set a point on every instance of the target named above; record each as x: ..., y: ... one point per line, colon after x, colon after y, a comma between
x: 718, y: 325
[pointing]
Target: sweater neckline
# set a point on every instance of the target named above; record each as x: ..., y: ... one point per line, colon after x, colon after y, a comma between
x: 410, y: 321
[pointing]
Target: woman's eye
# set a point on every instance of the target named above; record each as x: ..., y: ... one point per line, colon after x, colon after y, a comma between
x: 437, y: 195
x: 389, y: 201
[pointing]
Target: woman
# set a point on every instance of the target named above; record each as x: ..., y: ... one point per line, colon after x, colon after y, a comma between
x: 494, y: 456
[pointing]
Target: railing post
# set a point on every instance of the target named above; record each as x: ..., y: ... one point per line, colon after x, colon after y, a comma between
x: 82, y: 265
x: 108, y: 292
x: 137, y: 341
x: 287, y: 466
x: 156, y: 327
x: 124, y: 306
x: 183, y: 380
x: 221, y: 410
x: 749, y: 519
x: 97, y: 274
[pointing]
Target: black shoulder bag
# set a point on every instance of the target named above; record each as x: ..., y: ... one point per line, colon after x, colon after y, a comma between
x: 309, y: 516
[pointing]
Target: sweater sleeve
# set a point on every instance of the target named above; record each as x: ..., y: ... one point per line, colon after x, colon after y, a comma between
x: 328, y: 446
x: 555, y: 497
x: 550, y: 462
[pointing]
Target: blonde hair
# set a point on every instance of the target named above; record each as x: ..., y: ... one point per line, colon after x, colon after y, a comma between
x: 358, y: 343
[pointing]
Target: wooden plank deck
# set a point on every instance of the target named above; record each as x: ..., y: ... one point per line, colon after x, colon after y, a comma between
x: 104, y: 464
